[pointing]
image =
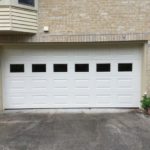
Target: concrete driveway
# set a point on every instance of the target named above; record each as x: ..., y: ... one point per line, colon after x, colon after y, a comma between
x: 30, y: 131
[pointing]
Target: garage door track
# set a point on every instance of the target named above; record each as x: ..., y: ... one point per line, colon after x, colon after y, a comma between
x: 45, y: 131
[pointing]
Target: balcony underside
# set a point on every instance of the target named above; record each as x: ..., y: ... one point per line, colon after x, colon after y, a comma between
x: 17, y: 20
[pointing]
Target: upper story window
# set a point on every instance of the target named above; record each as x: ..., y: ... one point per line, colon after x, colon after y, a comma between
x: 27, y: 2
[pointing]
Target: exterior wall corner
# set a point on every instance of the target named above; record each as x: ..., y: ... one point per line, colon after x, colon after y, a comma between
x: 1, y: 101
x: 147, y: 66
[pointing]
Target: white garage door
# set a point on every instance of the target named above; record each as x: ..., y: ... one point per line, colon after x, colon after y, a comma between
x: 71, y: 77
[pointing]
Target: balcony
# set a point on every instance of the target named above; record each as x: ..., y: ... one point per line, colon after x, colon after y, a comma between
x: 18, y: 17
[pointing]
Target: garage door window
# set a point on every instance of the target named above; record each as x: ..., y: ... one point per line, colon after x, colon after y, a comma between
x: 38, y: 67
x: 60, y: 68
x: 125, y: 67
x: 16, y: 68
x: 81, y: 67
x: 103, y: 67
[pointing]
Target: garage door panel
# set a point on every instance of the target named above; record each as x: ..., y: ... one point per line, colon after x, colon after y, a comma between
x: 119, y: 53
x: 103, y: 83
x: 38, y: 82
x: 38, y: 85
x: 71, y: 89
x: 14, y: 85
x: 60, y: 92
x: 82, y: 99
x: 102, y: 55
x: 128, y: 100
x: 16, y: 90
x: 103, y: 99
x: 125, y: 83
x: 16, y: 59
x: 60, y: 99
x: 39, y: 57
x: 82, y: 92
x: 82, y: 83
x: 15, y: 101
x: 40, y: 99
x: 60, y: 82
x: 39, y: 90
x: 104, y: 90
x: 125, y: 99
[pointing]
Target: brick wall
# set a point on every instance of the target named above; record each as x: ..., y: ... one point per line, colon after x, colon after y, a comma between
x: 94, y: 16
x: 90, y: 20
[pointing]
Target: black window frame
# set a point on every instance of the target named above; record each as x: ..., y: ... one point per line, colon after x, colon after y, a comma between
x: 80, y: 69
x: 59, y: 70
x: 34, y: 70
x: 105, y: 67
x: 123, y: 68
x: 13, y: 67
x: 27, y: 4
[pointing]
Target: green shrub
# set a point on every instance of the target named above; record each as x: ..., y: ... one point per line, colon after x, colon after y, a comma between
x: 145, y: 102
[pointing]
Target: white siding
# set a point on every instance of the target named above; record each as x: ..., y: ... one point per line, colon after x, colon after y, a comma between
x: 5, y: 19
x: 18, y: 20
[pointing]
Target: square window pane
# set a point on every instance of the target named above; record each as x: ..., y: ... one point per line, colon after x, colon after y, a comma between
x: 60, y: 68
x: 125, y: 67
x: 103, y: 67
x: 81, y: 67
x: 27, y: 2
x: 16, y: 68
x: 38, y: 67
